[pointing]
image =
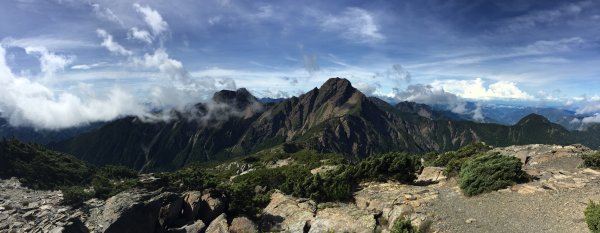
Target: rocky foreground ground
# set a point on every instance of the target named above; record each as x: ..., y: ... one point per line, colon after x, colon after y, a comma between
x: 552, y: 202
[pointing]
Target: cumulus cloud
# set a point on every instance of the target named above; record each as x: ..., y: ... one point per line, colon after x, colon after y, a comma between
x: 28, y: 103
x: 183, y: 88
x: 152, y: 18
x: 475, y: 89
x: 50, y: 62
x: 367, y: 88
x: 355, y: 24
x: 431, y: 95
x: 141, y: 35
x: 112, y: 45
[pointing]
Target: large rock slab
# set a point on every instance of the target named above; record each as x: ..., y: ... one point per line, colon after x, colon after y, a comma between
x: 131, y: 211
x: 343, y: 218
x: 219, y: 225
x: 242, y: 225
x: 432, y: 174
x: 286, y: 213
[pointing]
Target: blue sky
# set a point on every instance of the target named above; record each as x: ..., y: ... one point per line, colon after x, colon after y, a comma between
x: 103, y: 59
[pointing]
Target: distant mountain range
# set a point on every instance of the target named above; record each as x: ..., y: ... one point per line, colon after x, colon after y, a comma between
x: 333, y: 118
x: 30, y: 134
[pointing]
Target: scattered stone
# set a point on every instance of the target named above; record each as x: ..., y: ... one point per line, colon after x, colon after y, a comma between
x: 242, y: 225
x: 197, y: 226
x: 219, y: 225
x: 432, y: 174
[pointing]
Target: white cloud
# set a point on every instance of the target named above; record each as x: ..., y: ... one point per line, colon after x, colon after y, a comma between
x: 431, y: 95
x: 106, y: 13
x: 49, y: 42
x: 152, y: 18
x: 87, y: 66
x: 183, y: 88
x: 265, y: 11
x: 112, y: 45
x: 550, y: 46
x: 356, y: 24
x: 28, y: 103
x: 50, y: 62
x: 142, y: 35
x: 591, y: 119
x: 542, y: 17
x: 475, y: 89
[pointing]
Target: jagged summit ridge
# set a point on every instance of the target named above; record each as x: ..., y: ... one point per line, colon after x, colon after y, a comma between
x: 336, y: 117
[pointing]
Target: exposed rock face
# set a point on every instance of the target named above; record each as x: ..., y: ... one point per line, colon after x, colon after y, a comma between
x: 242, y: 225
x: 135, y: 211
x: 394, y: 200
x: 219, y: 225
x: 213, y: 204
x: 285, y: 213
x: 432, y: 174
x: 534, y: 154
x: 197, y: 226
x: 191, y: 204
x: 343, y: 218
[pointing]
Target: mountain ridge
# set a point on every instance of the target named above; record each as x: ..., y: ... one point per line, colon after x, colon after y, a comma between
x: 334, y: 118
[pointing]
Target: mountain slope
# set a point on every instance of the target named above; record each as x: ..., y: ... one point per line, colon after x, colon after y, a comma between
x: 333, y: 118
x: 29, y: 134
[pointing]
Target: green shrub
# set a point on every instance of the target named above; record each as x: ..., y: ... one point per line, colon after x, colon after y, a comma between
x: 591, y: 160
x: 246, y: 199
x: 117, y: 172
x: 403, y: 226
x: 189, y: 178
x: 453, y: 160
x: 74, y: 195
x: 401, y: 167
x: 490, y: 172
x: 592, y: 217
x: 40, y: 168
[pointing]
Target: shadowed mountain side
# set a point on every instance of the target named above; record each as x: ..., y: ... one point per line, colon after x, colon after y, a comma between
x: 333, y: 118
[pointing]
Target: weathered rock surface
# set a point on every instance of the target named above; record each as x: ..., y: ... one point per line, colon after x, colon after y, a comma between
x: 285, y: 213
x: 27, y: 210
x: 191, y: 204
x: 535, y: 154
x: 197, y: 226
x: 343, y: 218
x: 432, y: 174
x: 213, y: 204
x: 242, y: 225
x: 219, y: 225
x: 132, y: 211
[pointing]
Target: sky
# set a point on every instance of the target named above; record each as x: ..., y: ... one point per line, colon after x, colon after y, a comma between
x: 66, y: 63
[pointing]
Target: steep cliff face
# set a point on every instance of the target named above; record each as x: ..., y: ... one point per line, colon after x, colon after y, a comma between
x: 333, y: 118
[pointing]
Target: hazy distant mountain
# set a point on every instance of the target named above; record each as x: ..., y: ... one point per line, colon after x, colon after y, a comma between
x: 29, y: 134
x: 333, y: 118
x: 509, y: 115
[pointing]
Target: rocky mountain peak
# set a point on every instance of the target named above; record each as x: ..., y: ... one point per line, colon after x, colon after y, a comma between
x: 532, y: 119
x: 240, y: 98
x: 338, y: 90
